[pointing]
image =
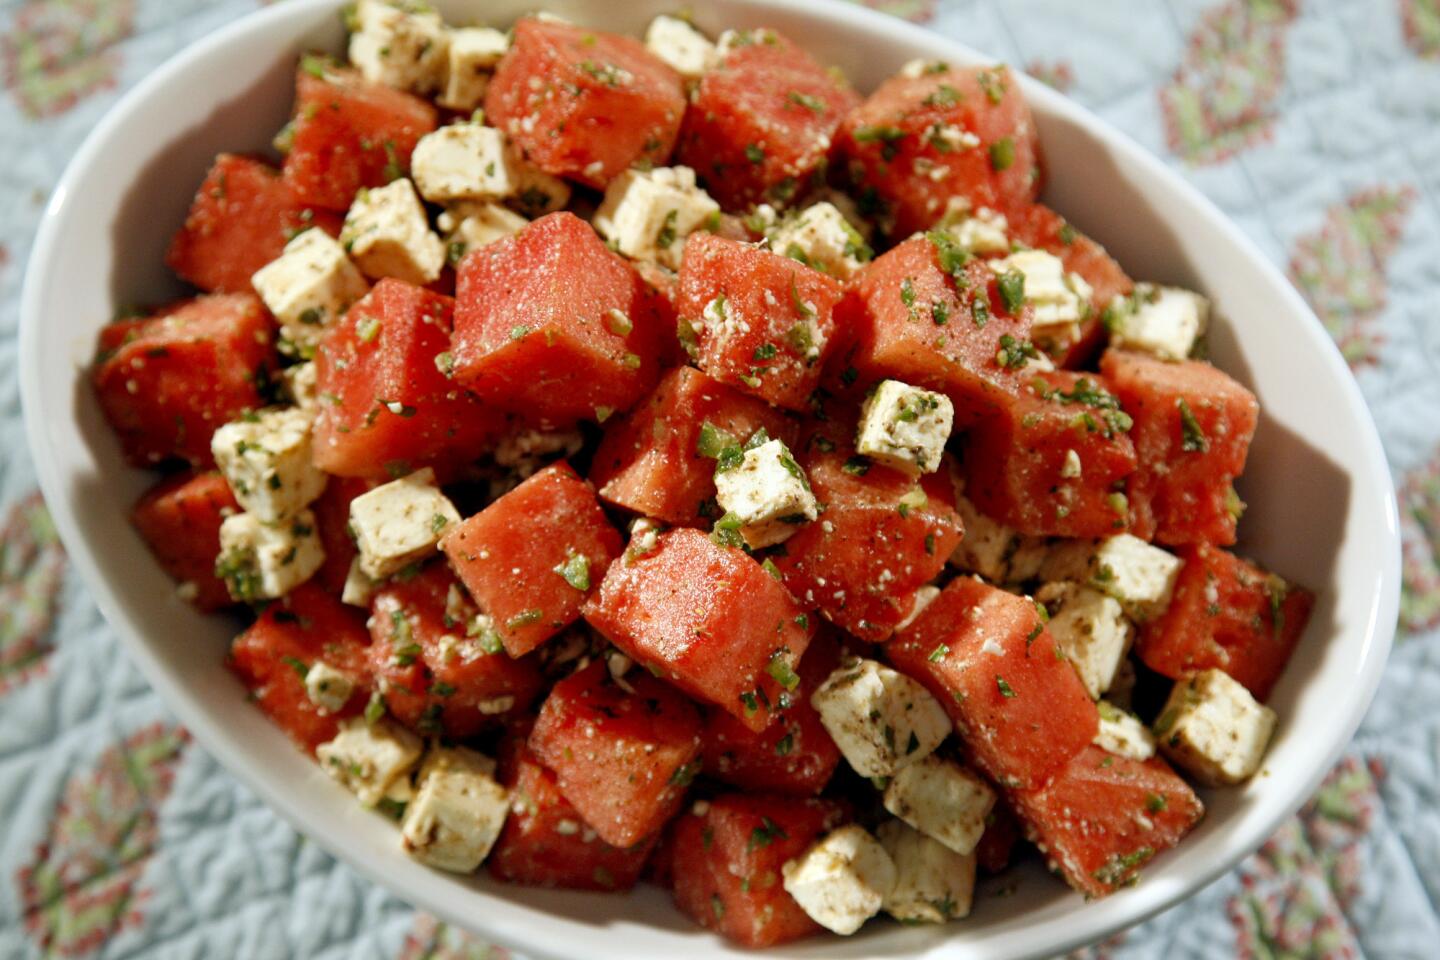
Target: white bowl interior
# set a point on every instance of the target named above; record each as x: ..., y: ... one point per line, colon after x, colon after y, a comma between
x: 1321, y: 502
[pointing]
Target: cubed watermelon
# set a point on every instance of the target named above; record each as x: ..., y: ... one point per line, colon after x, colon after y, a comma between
x: 532, y: 557
x: 180, y: 520
x: 332, y: 524
x: 997, y: 843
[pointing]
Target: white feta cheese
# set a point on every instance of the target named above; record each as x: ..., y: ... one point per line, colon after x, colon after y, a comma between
x: 266, y: 459
x: 1140, y: 576
x: 1163, y: 321
x: 403, y: 48
x: 993, y: 550
x: 457, y: 812
x: 1123, y: 734
x: 766, y: 495
x: 470, y: 226
x: 942, y: 800
x: 879, y: 718
x: 978, y: 231
x: 842, y: 880
x: 647, y: 214
x: 734, y: 39
x: 388, y: 235
x: 400, y: 522
x: 302, y: 385
x: 823, y: 238
x: 1212, y: 727
x: 537, y: 192
x: 329, y: 689
x: 471, y: 57
x: 1059, y: 299
x: 310, y: 284
x: 360, y: 588
x: 684, y: 49
x: 933, y: 883
x: 366, y: 758
x: 905, y: 427
x: 919, y: 600
x: 463, y: 161
x: 1090, y: 628
x: 265, y: 561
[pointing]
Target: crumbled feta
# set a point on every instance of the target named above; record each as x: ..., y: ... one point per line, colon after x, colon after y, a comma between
x: 1090, y: 628
x: 463, y: 161
x: 734, y: 39
x: 1059, y: 299
x: 266, y: 460
x: 265, y: 561
x: 1213, y: 728
x: 472, y: 55
x: 1123, y: 734
x: 1164, y: 321
x: 525, y: 452
x: 360, y: 587
x: 919, y: 600
x: 905, y: 427
x: 309, y: 285
x: 1140, y: 576
x: 842, y: 880
x: 329, y: 689
x: 400, y: 522
x: 942, y: 800
x: 879, y: 718
x: 470, y: 226
x: 933, y: 883
x: 993, y: 550
x: 388, y: 235
x: 401, y: 48
x: 977, y: 231
x: 537, y: 192
x: 457, y: 812
x: 366, y: 758
x: 821, y: 237
x: 302, y: 385
x: 647, y: 214
x: 684, y: 49
x: 766, y: 494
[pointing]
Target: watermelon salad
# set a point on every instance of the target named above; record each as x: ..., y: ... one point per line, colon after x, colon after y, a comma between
x: 657, y: 461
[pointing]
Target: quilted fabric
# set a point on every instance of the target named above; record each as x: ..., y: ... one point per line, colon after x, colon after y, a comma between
x: 1314, y: 123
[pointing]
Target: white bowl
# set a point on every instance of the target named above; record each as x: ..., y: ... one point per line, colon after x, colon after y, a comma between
x: 1322, y: 509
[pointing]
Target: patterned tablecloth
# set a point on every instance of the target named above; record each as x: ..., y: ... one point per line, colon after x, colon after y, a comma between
x: 1314, y: 123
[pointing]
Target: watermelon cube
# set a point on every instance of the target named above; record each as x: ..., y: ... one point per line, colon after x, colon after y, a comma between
x: 623, y: 759
x: 1017, y: 705
x: 532, y: 557
x: 757, y: 320
x: 997, y: 843
x: 332, y: 524
x: 349, y: 134
x: 386, y: 404
x: 727, y: 860
x: 1230, y: 615
x: 760, y: 123
x: 584, y: 104
x: 180, y: 520
x: 708, y: 618
x: 276, y: 653
x: 553, y: 325
x: 167, y: 381
x: 1193, y: 425
x: 658, y: 460
x: 946, y: 133
x: 1104, y: 816
x: 1053, y: 459
x: 242, y: 216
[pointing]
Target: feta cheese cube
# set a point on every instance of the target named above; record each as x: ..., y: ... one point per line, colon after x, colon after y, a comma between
x: 766, y: 495
x: 978, y: 231
x: 302, y: 385
x: 933, y: 883
x: 402, y: 48
x: 470, y: 226
x: 266, y: 460
x: 1140, y: 576
x: 1090, y: 629
x: 309, y: 285
x: 905, y: 427
x: 537, y: 192
x: 1213, y: 728
x: 360, y: 588
x: 919, y: 600
x: 842, y: 880
x: 684, y: 49
x: 472, y: 55
x: 993, y: 550
x: 879, y: 718
x: 388, y: 235
x: 647, y: 214
x: 366, y: 758
x: 734, y: 39
x: 1059, y: 299
x: 400, y: 522
x: 1164, y: 321
x: 457, y: 812
x: 942, y: 800
x: 329, y: 689
x: 463, y: 161
x: 1123, y: 734
x: 265, y: 561
x: 820, y: 236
